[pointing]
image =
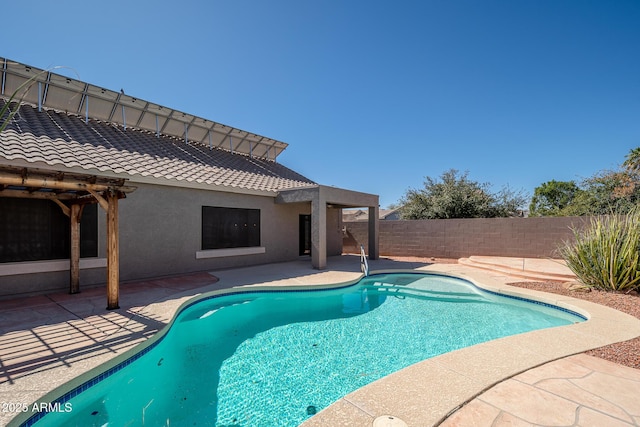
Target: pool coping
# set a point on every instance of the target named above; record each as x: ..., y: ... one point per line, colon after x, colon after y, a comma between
x: 426, y: 393
x: 453, y: 378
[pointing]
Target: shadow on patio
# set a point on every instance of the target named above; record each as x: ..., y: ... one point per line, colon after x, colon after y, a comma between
x: 39, y: 333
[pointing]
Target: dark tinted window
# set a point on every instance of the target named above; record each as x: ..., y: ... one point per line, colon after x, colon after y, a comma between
x: 34, y: 230
x: 230, y: 227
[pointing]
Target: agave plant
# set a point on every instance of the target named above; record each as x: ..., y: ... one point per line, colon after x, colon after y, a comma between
x: 606, y: 254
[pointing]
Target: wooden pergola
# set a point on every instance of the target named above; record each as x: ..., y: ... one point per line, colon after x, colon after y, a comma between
x: 71, y: 192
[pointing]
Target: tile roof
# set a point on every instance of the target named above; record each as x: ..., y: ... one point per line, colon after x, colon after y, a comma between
x: 61, y: 139
x: 363, y: 215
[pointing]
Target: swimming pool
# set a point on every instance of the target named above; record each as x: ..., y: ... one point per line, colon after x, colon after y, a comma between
x: 276, y: 357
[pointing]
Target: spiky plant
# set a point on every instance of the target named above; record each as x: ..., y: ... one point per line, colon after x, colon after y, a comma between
x: 606, y: 254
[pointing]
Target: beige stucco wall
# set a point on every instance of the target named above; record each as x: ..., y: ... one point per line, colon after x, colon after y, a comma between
x: 457, y: 238
x: 160, y: 230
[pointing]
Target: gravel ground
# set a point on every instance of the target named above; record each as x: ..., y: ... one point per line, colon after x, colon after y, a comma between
x: 625, y: 353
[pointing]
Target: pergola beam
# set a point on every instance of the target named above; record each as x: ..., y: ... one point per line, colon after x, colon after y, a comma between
x: 52, y: 183
x: 24, y: 194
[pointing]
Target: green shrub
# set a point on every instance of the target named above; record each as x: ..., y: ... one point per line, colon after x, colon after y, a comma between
x: 606, y: 254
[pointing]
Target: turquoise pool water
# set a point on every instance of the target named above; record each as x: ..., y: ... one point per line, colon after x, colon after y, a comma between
x: 275, y: 358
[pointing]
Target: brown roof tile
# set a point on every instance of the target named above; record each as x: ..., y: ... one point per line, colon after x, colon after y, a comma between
x: 57, y: 138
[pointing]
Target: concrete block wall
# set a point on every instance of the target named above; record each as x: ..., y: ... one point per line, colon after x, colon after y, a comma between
x: 458, y: 238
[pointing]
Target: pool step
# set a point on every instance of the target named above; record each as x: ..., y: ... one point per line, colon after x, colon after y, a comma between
x: 525, y: 268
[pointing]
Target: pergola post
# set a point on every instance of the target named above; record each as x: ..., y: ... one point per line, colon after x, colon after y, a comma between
x: 113, y: 268
x: 74, y: 256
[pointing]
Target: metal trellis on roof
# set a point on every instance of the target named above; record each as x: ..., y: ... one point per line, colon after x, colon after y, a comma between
x: 45, y: 89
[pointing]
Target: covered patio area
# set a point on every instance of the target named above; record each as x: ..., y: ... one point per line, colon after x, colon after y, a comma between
x: 322, y: 198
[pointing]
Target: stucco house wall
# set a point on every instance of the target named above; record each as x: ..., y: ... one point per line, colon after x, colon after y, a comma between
x: 161, y: 230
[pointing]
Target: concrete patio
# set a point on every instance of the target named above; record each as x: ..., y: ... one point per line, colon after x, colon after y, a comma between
x: 538, y: 378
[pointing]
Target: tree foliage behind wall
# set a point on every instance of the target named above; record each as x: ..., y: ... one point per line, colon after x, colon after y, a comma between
x: 454, y: 195
x: 606, y: 192
x: 552, y: 197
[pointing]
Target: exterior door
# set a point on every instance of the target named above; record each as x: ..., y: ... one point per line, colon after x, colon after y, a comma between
x: 305, y: 235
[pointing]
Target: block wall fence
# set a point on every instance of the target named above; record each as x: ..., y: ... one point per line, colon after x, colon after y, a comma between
x: 537, y: 237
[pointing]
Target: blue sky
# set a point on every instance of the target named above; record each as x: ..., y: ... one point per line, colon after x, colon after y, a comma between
x: 371, y: 95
